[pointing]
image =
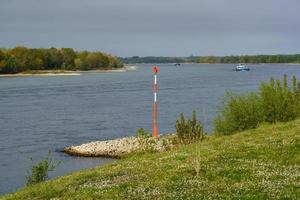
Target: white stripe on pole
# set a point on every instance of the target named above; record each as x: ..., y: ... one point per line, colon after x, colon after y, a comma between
x: 155, y: 87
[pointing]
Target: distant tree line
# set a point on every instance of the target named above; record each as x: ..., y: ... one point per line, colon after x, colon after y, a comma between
x: 251, y: 59
x: 153, y: 59
x: 20, y: 59
x: 295, y: 58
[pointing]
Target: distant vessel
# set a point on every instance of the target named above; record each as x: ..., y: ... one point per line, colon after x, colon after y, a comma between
x: 241, y: 67
x: 130, y: 67
x: 177, y: 64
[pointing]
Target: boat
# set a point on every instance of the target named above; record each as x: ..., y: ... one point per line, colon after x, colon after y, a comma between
x: 241, y: 67
x: 177, y: 64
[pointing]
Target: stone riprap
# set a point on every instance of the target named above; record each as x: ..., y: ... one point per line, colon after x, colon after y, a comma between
x: 118, y: 147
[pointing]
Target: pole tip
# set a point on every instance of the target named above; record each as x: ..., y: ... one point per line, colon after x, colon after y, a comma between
x: 155, y: 69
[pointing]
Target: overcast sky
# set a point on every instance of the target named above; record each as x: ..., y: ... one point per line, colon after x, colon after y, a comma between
x: 154, y: 27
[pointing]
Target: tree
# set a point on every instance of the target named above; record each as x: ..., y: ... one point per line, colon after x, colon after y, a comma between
x: 2, y: 55
x: 68, y: 57
x: 2, y: 66
x: 96, y: 60
x: 19, y: 54
x: 20, y: 59
x: 114, y: 62
x: 8, y: 65
x: 54, y: 59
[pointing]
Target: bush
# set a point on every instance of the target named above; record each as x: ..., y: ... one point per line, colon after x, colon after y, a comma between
x: 238, y: 112
x: 275, y: 102
x: 39, y: 171
x: 141, y: 133
x: 190, y: 131
x: 279, y: 102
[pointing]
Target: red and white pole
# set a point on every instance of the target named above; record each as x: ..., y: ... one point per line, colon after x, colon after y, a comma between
x: 155, y: 134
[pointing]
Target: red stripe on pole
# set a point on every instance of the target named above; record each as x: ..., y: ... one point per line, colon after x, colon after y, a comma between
x: 155, y: 122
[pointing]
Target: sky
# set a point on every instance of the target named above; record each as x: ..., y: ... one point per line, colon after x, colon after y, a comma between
x: 154, y: 27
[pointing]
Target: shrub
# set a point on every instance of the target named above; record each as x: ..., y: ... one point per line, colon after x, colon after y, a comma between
x: 39, y: 171
x: 238, y: 112
x: 275, y: 102
x: 142, y: 133
x: 189, y: 131
x: 279, y: 102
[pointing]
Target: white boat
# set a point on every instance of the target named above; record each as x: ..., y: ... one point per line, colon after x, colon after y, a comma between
x: 241, y: 67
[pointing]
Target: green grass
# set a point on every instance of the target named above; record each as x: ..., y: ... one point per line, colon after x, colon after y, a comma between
x: 262, y: 163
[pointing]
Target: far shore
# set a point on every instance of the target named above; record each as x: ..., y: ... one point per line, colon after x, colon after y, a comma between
x: 67, y: 72
x: 235, y: 63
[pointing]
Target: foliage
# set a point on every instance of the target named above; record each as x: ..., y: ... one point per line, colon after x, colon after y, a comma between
x: 196, y: 163
x: 20, y: 59
x: 2, y: 55
x: 39, y: 171
x: 189, y: 131
x: 262, y: 163
x: 146, y: 143
x: 279, y: 101
x: 149, y: 144
x: 275, y: 102
x: 293, y: 58
x: 142, y: 133
x: 152, y: 59
x: 238, y: 112
x: 251, y: 59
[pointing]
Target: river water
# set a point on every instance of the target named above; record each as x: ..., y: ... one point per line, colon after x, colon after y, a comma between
x: 42, y: 113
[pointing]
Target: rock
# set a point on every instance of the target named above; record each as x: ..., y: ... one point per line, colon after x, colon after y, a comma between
x: 118, y: 147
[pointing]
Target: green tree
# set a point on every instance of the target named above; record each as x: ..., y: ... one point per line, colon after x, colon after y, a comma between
x: 55, y: 59
x: 9, y: 65
x: 20, y: 55
x: 20, y: 59
x: 93, y: 60
x: 68, y: 57
x: 2, y: 55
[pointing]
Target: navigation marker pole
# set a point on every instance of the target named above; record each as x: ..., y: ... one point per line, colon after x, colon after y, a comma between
x: 155, y: 71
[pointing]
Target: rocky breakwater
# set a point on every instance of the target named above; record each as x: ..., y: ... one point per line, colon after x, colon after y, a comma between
x: 119, y: 147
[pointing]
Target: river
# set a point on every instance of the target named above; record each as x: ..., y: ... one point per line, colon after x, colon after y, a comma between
x: 42, y: 113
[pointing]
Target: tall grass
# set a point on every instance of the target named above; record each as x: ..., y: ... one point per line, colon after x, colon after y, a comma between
x: 275, y: 102
x: 39, y: 171
x: 190, y: 130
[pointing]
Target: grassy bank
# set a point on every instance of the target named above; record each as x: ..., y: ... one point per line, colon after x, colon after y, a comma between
x: 262, y: 163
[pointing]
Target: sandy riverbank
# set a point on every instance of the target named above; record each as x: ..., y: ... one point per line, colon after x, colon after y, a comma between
x: 66, y: 73
x: 41, y: 74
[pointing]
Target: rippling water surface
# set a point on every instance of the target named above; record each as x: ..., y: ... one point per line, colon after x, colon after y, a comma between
x: 41, y: 113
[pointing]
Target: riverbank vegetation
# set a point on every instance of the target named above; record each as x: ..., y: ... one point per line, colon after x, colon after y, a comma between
x: 39, y: 171
x: 261, y: 163
x: 276, y: 101
x: 22, y: 59
x: 292, y: 58
x: 190, y: 130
